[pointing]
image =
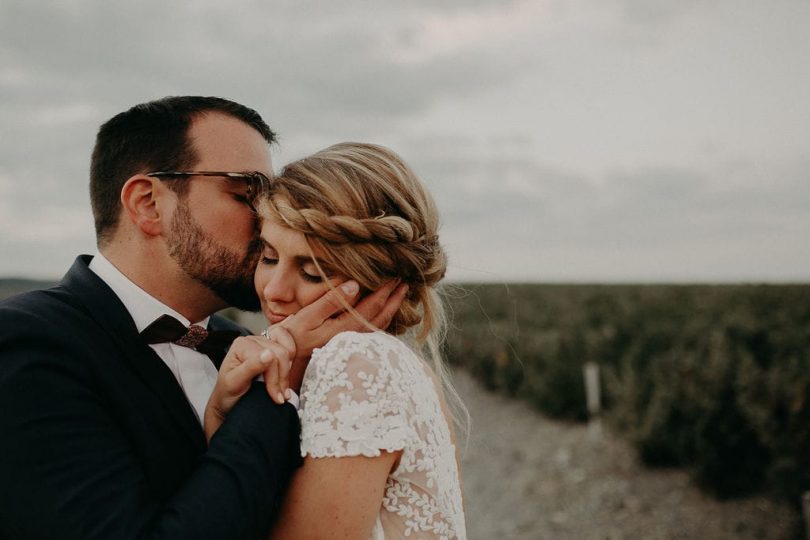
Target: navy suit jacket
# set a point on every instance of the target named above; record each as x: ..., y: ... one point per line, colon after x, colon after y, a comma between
x: 97, y: 439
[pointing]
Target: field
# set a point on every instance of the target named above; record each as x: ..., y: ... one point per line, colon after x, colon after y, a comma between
x: 712, y: 378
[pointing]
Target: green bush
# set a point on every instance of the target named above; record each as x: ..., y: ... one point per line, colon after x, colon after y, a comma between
x: 716, y: 378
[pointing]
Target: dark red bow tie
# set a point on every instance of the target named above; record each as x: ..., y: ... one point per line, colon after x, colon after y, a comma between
x: 167, y: 329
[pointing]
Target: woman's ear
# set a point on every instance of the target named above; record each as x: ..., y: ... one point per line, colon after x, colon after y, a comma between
x: 141, y: 199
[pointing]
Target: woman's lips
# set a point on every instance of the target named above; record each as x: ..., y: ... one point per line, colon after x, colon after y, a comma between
x: 273, y: 317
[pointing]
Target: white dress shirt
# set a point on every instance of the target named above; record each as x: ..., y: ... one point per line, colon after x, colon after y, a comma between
x: 194, y: 371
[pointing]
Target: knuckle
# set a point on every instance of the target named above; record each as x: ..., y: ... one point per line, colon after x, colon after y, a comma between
x: 230, y: 386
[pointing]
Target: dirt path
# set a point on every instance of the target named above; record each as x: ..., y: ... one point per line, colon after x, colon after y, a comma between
x: 528, y: 477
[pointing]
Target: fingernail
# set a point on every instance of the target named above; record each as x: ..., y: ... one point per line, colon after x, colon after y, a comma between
x: 350, y: 287
x: 288, y: 393
x: 264, y: 357
x: 280, y: 397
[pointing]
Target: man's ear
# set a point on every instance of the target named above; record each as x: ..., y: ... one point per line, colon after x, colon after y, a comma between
x: 143, y: 201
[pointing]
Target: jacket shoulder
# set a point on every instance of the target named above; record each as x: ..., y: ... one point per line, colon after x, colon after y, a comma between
x: 219, y: 322
x: 39, y: 306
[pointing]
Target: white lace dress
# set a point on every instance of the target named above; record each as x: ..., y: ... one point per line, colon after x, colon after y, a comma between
x: 367, y: 392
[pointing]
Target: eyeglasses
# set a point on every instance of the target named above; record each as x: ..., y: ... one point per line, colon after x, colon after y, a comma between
x: 256, y: 182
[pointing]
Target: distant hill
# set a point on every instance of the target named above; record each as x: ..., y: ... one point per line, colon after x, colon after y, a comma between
x: 12, y: 286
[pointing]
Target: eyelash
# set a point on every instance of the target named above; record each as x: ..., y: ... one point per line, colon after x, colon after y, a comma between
x: 307, y: 277
x: 310, y: 278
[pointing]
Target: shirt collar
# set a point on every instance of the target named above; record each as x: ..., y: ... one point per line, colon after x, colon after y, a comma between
x: 142, y: 306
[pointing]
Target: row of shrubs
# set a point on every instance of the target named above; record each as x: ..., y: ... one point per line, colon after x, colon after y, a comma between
x: 714, y: 378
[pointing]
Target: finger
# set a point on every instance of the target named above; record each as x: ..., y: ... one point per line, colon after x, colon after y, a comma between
x: 283, y: 346
x: 374, y: 302
x: 284, y: 359
x: 253, y: 363
x: 372, y: 305
x: 283, y: 337
x: 368, y: 309
x: 391, y: 307
x: 284, y: 366
x: 271, y: 377
x: 277, y: 374
x: 236, y: 353
x: 327, y: 305
x: 261, y: 341
x: 279, y: 337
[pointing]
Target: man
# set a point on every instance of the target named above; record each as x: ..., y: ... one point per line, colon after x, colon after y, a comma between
x: 100, y: 419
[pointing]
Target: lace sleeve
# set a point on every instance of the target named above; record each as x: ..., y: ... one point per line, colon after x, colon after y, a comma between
x: 354, y: 398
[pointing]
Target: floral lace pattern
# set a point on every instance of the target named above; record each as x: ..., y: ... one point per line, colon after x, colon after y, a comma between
x: 368, y: 392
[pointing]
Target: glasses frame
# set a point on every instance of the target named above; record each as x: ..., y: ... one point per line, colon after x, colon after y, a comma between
x: 256, y: 181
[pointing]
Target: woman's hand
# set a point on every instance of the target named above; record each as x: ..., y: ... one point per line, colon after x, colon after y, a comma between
x: 326, y: 317
x: 249, y: 357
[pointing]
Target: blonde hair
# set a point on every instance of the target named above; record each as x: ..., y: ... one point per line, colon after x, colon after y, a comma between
x: 372, y: 220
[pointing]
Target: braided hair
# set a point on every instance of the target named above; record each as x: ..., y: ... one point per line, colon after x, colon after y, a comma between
x: 366, y: 212
x: 370, y: 218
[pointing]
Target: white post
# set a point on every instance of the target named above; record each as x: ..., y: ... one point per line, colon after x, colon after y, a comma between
x: 806, y: 509
x: 590, y: 371
x: 593, y: 401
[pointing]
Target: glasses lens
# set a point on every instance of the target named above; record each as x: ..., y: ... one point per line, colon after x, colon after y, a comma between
x: 256, y: 184
x: 261, y: 184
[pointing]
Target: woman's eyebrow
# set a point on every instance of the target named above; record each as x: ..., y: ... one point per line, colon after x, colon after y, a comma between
x: 306, y: 259
x: 300, y: 259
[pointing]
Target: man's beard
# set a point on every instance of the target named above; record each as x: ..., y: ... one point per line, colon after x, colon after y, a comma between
x: 224, y: 272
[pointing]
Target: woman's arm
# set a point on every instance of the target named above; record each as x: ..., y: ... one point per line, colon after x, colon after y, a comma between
x: 335, y: 497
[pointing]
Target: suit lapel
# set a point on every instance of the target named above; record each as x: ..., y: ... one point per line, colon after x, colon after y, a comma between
x: 106, y: 309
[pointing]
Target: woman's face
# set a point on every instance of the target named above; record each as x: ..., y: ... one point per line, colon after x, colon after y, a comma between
x: 286, y: 277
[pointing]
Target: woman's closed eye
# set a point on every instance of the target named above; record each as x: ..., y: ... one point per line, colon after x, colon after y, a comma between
x: 310, y: 273
x: 269, y: 256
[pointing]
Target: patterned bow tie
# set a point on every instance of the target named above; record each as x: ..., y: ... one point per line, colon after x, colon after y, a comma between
x: 167, y: 329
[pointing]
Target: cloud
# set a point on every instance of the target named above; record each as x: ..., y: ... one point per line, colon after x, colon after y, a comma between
x: 562, y: 138
x: 521, y: 218
x: 343, y: 57
x: 442, y: 34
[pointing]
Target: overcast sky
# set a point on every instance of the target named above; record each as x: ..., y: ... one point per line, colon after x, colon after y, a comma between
x: 564, y: 140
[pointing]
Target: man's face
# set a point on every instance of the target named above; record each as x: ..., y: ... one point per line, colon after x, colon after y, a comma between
x: 214, y: 236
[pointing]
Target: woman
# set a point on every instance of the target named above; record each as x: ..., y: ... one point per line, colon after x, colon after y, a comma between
x: 379, y: 454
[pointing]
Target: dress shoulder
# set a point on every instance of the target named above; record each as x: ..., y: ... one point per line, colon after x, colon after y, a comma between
x: 354, y: 396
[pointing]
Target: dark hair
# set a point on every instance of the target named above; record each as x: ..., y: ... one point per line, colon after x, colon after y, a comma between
x: 151, y: 137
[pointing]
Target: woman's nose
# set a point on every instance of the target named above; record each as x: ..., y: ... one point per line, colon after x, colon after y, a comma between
x: 279, y: 287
